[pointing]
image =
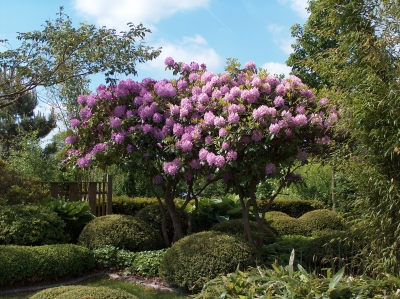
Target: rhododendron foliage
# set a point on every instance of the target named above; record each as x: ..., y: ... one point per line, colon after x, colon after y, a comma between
x: 242, y: 127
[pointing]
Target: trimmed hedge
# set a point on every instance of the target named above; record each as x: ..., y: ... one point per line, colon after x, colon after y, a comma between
x: 236, y: 228
x: 30, y: 225
x: 76, y: 292
x: 131, y: 205
x: 293, y: 207
x: 43, y: 263
x: 323, y: 220
x: 122, y: 231
x: 285, y: 225
x: 199, y: 257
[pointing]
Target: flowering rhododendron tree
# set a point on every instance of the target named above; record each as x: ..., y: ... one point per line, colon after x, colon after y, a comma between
x: 244, y: 127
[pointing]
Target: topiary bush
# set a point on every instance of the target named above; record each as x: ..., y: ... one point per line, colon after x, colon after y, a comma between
x: 43, y: 263
x: 293, y: 207
x: 131, y: 205
x: 272, y: 214
x: 122, y: 231
x: 75, y: 292
x: 323, y: 220
x: 30, y: 225
x: 202, y: 256
x: 285, y: 225
x: 236, y: 228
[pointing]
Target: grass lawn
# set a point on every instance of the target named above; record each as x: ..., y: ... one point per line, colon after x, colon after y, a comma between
x: 140, y: 291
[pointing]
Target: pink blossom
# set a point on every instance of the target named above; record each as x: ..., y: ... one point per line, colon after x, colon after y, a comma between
x: 178, y: 129
x: 231, y: 155
x: 219, y: 121
x: 100, y: 147
x: 222, y: 132
x: 186, y: 145
x: 169, y: 61
x: 129, y: 148
x: 208, y: 139
x: 209, y: 118
x: 274, y: 128
x: 279, y: 101
x: 157, y: 117
x: 219, y: 161
x: 225, y: 145
x: 171, y: 168
x: 75, y: 122
x: 115, y: 122
x: 158, y: 179
x: 84, y: 161
x: 211, y: 158
x: 193, y: 77
x: 119, y: 110
x: 302, y: 156
x: 250, y: 65
x: 256, y: 135
x: 81, y: 99
x: 323, y: 101
x: 195, y: 164
x: 71, y: 139
x: 300, y: 120
x: 270, y: 168
x: 85, y: 113
x: 203, y: 154
x: 91, y: 100
x: 233, y: 118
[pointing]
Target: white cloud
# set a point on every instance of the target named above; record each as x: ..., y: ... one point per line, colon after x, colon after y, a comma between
x: 116, y: 14
x: 277, y: 68
x: 281, y: 38
x: 299, y: 6
x: 187, y: 50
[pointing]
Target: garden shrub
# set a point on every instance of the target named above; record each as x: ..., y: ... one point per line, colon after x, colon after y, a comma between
x: 146, y: 263
x: 323, y: 220
x: 236, y: 228
x: 17, y: 188
x: 75, y: 214
x: 122, y: 231
x: 130, y: 205
x: 279, y: 252
x: 293, y: 207
x: 272, y: 214
x: 30, y: 225
x: 75, y: 292
x: 202, y: 256
x: 110, y: 257
x: 42, y: 263
x: 151, y: 215
x: 285, y: 225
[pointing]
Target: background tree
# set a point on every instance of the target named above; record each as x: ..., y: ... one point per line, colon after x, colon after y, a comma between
x: 62, y: 54
x: 352, y: 49
x: 20, y: 118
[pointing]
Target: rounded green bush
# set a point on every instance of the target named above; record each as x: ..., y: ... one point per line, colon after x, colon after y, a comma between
x: 323, y: 220
x: 202, y: 256
x: 30, y: 225
x: 286, y: 225
x: 77, y: 292
x: 122, y: 231
x: 272, y: 214
x: 151, y: 215
x: 43, y: 263
x: 236, y: 227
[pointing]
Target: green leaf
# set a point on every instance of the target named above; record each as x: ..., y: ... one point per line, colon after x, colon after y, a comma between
x: 336, y: 278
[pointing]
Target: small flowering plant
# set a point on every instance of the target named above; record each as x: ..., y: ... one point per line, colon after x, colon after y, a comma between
x: 243, y: 127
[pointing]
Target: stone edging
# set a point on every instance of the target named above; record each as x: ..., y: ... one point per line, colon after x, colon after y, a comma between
x: 80, y: 279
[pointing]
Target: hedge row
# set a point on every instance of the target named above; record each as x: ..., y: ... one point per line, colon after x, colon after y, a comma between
x: 293, y: 207
x: 131, y: 205
x: 20, y: 264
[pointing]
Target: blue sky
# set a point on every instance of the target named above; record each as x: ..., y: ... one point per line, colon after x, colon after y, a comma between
x: 205, y: 31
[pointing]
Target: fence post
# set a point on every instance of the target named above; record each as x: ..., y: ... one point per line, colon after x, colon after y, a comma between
x: 92, y: 197
x: 73, y: 191
x: 54, y: 189
x: 109, y: 195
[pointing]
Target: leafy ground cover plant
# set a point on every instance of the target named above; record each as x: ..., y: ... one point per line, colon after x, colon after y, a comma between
x: 286, y: 283
x: 146, y: 263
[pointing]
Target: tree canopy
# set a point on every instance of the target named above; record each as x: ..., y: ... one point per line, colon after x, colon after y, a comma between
x: 61, y: 53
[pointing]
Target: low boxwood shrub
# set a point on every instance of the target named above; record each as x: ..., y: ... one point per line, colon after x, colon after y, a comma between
x: 285, y: 225
x: 202, y: 256
x: 130, y: 205
x: 42, y: 263
x: 146, y: 263
x: 76, y: 292
x: 236, y: 228
x: 293, y: 207
x: 122, y: 231
x: 30, y: 225
x: 272, y: 214
x: 323, y: 220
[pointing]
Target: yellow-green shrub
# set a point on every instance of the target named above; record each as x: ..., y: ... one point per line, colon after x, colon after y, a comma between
x: 323, y: 220
x: 131, y: 205
x: 293, y: 207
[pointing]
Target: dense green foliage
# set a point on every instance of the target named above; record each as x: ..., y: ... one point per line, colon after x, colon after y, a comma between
x: 74, y: 292
x: 285, y: 225
x: 350, y: 49
x: 110, y: 257
x: 282, y: 282
x: 121, y: 231
x: 16, y: 187
x: 199, y: 257
x: 75, y: 214
x: 323, y: 220
x: 236, y: 227
x: 146, y: 263
x: 126, y: 205
x: 43, y: 263
x: 293, y: 207
x: 30, y: 225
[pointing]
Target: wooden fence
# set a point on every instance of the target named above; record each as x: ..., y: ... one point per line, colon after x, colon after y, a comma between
x: 97, y: 194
